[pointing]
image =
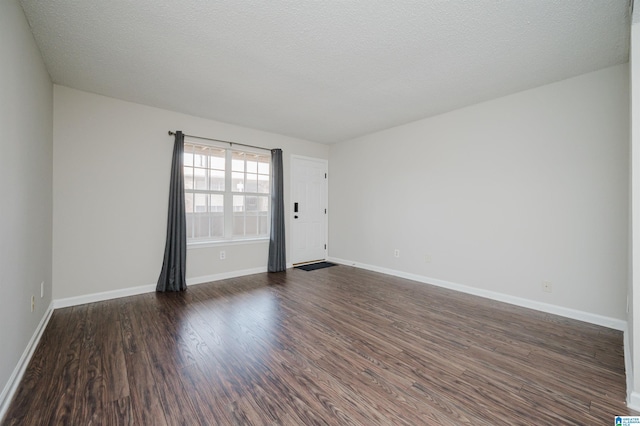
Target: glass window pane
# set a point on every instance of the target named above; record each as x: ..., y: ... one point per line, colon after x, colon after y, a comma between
x: 238, y: 224
x: 238, y: 203
x: 188, y: 157
x: 217, y: 225
x: 216, y: 203
x: 263, y: 184
x: 237, y: 162
x: 252, y: 166
x: 200, y: 205
x: 262, y: 224
x: 217, y: 159
x: 188, y: 178
x: 189, y: 218
x: 216, y: 215
x: 251, y: 183
x: 237, y: 182
x: 216, y: 180
x: 201, y: 225
x: 251, y: 224
x: 199, y: 159
x: 200, y: 178
x: 263, y: 204
x: 251, y: 204
x: 238, y: 215
x: 263, y: 166
x: 237, y: 166
x: 188, y: 202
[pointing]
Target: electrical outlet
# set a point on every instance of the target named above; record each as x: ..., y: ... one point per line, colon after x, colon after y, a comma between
x: 396, y: 253
x: 41, y: 289
x: 33, y: 303
x: 223, y: 255
x: 427, y: 258
x: 547, y: 287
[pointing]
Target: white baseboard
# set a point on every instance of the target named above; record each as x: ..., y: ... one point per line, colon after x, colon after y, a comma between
x: 150, y: 288
x: 596, y: 319
x: 224, y: 276
x: 634, y: 401
x: 104, y: 295
x: 628, y: 369
x: 12, y: 385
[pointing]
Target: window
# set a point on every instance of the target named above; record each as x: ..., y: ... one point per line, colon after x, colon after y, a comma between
x: 226, y: 193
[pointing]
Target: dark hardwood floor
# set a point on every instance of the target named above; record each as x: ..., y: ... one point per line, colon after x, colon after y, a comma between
x: 331, y: 346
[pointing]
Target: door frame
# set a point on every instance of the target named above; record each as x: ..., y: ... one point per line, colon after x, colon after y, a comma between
x: 325, y: 162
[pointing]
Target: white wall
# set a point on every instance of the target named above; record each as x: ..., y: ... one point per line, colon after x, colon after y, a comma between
x: 26, y: 120
x: 111, y: 183
x: 502, y: 195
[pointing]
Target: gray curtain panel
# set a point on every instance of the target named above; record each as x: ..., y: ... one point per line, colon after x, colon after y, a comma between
x: 277, y: 252
x: 174, y: 266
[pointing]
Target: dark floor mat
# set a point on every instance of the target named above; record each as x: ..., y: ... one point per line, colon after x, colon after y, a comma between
x: 314, y: 266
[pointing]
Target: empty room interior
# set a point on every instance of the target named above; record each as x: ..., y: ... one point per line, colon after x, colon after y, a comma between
x: 340, y: 212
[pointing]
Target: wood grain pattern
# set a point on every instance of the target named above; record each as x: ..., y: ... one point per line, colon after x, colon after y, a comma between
x: 331, y: 346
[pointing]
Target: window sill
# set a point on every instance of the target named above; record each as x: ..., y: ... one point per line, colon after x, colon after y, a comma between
x: 207, y: 244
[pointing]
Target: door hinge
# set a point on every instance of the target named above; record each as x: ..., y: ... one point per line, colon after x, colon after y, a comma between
x: 325, y: 211
x: 325, y: 246
x: 325, y: 175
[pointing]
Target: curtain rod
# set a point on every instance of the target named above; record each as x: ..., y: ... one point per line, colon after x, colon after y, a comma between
x: 220, y: 140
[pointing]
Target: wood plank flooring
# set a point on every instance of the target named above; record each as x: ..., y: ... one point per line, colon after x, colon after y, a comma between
x: 331, y: 346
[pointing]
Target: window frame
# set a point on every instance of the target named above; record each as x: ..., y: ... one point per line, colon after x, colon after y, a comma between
x: 228, y: 237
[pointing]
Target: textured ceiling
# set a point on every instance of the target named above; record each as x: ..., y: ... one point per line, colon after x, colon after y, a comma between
x: 325, y: 71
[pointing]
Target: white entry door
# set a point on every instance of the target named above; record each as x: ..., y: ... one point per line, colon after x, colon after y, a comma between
x: 308, y: 209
